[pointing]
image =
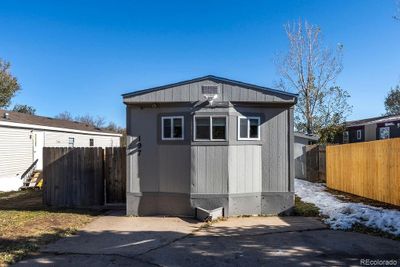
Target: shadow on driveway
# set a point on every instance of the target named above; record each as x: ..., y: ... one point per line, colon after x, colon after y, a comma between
x: 272, y: 241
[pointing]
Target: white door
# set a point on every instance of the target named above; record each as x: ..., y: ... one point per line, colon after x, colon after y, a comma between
x: 38, y: 143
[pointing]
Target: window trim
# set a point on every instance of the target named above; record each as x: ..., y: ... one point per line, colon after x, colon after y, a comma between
x: 91, y: 142
x: 172, y: 128
x: 359, y: 134
x: 211, y: 127
x: 248, y: 128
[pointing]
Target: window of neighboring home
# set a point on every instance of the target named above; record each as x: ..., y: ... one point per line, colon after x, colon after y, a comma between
x: 210, y: 128
x: 172, y: 128
x: 384, y: 132
x: 345, y: 136
x: 249, y: 128
x: 91, y: 142
x: 71, y: 142
x: 358, y: 134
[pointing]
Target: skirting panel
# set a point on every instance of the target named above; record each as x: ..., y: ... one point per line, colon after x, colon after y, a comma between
x: 175, y: 204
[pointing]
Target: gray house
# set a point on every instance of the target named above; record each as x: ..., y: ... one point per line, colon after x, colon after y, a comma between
x: 210, y: 142
x: 301, y: 141
x: 371, y: 129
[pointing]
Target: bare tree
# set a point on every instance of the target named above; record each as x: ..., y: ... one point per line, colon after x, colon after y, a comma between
x: 98, y: 122
x: 311, y: 70
x: 64, y: 116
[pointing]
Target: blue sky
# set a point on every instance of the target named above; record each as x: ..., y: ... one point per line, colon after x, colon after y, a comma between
x: 81, y: 56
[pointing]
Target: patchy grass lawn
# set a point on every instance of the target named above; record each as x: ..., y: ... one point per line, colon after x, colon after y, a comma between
x: 305, y: 209
x: 25, y: 224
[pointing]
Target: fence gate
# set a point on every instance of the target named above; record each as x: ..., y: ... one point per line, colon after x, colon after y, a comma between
x: 315, y: 163
x: 84, y: 177
x: 115, y: 175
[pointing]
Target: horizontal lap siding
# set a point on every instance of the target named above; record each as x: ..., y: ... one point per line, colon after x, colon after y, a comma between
x: 245, y: 169
x: 209, y: 169
x: 60, y: 139
x: 16, y: 151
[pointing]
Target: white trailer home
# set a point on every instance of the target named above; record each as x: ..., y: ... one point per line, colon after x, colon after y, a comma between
x: 23, y: 136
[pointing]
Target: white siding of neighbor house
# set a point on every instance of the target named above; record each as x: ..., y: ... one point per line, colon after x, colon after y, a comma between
x: 16, y: 155
x: 60, y: 139
x: 16, y: 150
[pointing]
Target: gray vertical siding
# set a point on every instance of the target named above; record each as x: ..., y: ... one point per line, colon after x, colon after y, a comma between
x: 192, y: 93
x: 245, y: 169
x: 168, y: 168
x: 209, y: 170
x: 174, y: 168
x: 210, y: 173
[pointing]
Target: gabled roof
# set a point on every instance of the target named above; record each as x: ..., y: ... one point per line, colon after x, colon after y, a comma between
x: 23, y: 118
x: 212, y: 78
x: 373, y: 120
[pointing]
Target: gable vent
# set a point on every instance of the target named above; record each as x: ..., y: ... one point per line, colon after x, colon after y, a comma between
x: 209, y: 89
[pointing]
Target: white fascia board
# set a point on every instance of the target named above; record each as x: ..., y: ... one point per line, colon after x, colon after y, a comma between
x: 56, y: 129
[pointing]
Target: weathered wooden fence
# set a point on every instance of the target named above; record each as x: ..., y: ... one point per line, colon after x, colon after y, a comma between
x: 83, y: 177
x: 367, y: 169
x: 315, y: 163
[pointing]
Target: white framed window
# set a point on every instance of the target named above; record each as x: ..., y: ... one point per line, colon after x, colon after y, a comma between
x: 359, y: 133
x: 384, y: 132
x: 172, y: 128
x: 91, y: 142
x: 248, y: 128
x: 71, y: 142
x: 210, y: 128
x: 345, y: 137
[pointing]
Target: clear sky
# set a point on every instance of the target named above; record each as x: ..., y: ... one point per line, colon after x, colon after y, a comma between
x: 81, y: 56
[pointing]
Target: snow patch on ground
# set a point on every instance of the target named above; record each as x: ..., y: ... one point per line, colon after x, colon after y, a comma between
x: 343, y: 215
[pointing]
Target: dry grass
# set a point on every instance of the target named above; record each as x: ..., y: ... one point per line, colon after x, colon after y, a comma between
x: 25, y: 224
x: 305, y: 209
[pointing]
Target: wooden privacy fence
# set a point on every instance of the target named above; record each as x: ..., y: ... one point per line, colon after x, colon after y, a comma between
x: 315, y: 163
x: 83, y: 177
x: 368, y: 169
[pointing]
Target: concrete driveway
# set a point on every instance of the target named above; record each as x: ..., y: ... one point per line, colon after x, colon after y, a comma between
x: 169, y: 241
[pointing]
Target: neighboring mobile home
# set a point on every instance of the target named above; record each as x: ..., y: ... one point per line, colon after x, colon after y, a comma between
x: 23, y: 136
x: 210, y: 142
x: 301, y: 141
x: 370, y: 129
